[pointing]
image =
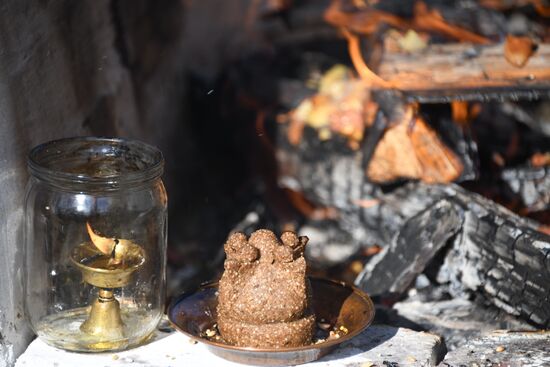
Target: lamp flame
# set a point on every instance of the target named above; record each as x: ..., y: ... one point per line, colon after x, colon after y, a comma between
x: 104, y: 244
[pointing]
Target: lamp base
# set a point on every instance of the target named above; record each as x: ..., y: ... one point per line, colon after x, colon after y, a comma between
x: 104, y: 320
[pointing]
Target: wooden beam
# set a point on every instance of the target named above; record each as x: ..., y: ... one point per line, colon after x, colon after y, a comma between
x: 473, y: 72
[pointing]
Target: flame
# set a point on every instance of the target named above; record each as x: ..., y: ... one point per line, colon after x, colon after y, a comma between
x: 368, y: 20
x: 367, y: 75
x: 460, y: 111
x: 103, y: 244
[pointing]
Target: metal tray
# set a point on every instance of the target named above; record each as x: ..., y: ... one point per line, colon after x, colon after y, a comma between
x: 339, y: 304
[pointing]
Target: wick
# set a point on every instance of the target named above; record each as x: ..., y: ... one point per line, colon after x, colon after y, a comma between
x: 114, y: 248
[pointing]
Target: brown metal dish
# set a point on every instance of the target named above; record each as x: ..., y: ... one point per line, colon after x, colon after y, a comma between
x: 339, y: 304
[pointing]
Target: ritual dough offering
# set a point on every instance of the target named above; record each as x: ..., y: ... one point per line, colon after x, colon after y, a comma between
x: 264, y: 295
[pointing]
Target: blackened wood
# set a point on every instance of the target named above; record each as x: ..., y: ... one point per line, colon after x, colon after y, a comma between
x: 420, y: 238
x: 445, y: 72
x: 494, y: 251
x: 332, y: 175
x: 500, y: 94
x: 504, y: 257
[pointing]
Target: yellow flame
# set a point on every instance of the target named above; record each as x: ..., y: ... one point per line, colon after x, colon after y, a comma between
x: 103, y: 244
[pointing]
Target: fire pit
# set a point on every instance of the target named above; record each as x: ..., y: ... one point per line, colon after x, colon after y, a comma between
x: 410, y: 142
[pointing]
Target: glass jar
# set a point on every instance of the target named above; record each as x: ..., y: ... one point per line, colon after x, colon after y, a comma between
x: 95, y: 243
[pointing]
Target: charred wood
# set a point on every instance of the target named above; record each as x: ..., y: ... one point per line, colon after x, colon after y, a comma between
x: 332, y: 175
x: 532, y: 184
x: 461, y: 71
x: 421, y: 237
x: 504, y: 257
x: 493, y: 251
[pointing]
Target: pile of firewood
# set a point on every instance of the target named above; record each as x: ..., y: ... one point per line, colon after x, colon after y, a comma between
x: 410, y: 140
x: 416, y: 146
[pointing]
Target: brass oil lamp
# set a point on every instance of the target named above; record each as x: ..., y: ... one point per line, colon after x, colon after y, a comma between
x: 106, y: 263
x: 96, y: 219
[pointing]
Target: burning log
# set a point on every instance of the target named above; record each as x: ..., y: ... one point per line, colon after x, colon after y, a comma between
x: 331, y: 174
x: 493, y: 251
x: 367, y: 20
x: 460, y: 71
x: 438, y: 72
x: 412, y: 149
x: 419, y: 221
x: 518, y: 50
x: 324, y: 149
x: 402, y: 145
x: 395, y: 268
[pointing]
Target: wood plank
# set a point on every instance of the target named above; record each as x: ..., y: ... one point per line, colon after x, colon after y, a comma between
x: 455, y: 69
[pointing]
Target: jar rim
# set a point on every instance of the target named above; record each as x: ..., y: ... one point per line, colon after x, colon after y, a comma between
x: 119, y: 162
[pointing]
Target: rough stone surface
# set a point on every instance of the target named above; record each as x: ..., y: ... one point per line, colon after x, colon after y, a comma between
x: 503, y: 348
x: 378, y: 345
x: 458, y: 320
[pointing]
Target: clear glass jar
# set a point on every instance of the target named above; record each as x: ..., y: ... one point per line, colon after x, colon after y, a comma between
x: 96, y: 225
